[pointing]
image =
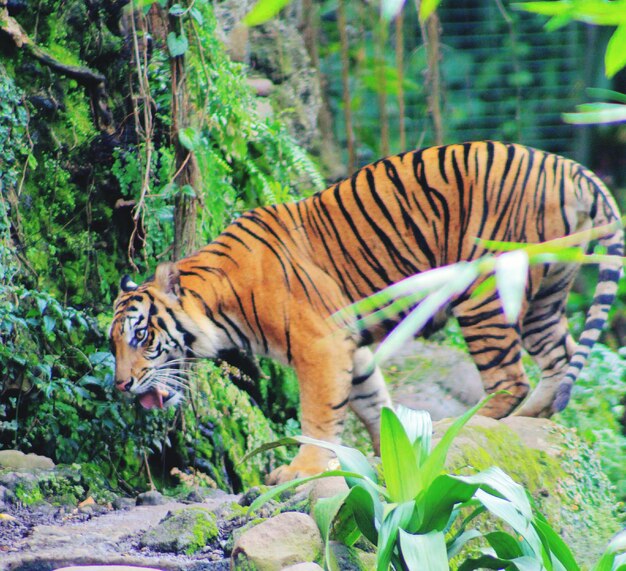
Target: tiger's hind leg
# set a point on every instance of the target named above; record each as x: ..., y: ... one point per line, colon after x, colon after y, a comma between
x: 496, y: 349
x: 368, y: 394
x: 547, y: 339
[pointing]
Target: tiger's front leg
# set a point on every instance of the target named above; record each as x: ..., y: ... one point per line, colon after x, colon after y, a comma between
x: 324, y: 369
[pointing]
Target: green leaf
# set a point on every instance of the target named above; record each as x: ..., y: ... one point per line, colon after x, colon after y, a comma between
x: 504, y: 544
x: 434, y: 464
x: 398, y: 517
x: 460, y: 540
x: 615, y: 55
x: 508, y: 513
x: 553, y: 542
x: 189, y: 138
x: 601, y: 93
x: 418, y: 426
x: 464, y: 275
x: 367, y: 510
x: 437, y: 502
x: 263, y: 11
x: 427, y: 7
x: 197, y: 16
x: 424, y: 551
x: 511, y: 276
x: 187, y: 190
x: 400, y: 465
x: 350, y: 459
x: 177, y: 45
x: 49, y: 323
x: 280, y: 488
x: 177, y: 10
x: 597, y: 113
x: 326, y: 513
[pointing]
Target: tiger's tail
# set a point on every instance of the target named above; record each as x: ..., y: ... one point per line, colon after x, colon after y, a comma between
x: 609, y: 273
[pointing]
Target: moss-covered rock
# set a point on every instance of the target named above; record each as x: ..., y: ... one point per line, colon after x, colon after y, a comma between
x: 560, y: 471
x: 185, y: 531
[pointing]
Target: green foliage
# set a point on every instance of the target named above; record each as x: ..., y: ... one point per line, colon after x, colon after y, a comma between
x: 597, y: 410
x: 423, y: 517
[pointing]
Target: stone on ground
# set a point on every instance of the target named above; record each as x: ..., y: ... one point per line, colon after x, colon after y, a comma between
x: 183, y: 531
x: 16, y: 460
x: 286, y: 539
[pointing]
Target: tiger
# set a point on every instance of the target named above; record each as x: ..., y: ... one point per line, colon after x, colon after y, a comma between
x: 270, y: 282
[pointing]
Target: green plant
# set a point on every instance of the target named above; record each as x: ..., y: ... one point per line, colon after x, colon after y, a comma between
x: 422, y: 517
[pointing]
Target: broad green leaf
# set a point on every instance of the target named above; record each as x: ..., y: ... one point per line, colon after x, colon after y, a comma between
x: 330, y: 514
x: 494, y: 479
x: 197, y: 16
x: 484, y: 562
x: 511, y: 276
x: 427, y: 7
x: 607, y: 561
x: 544, y: 8
x: 615, y: 55
x: 389, y: 9
x: 189, y: 138
x: 398, y: 517
x: 418, y: 426
x: 350, y: 459
x: 437, y: 502
x: 459, y: 541
x: 263, y: 11
x: 601, y: 93
x: 553, y: 542
x: 507, y: 512
x: 275, y: 491
x: 177, y: 10
x: 367, y: 510
x: 504, y: 544
x: 434, y: 464
x: 424, y: 551
x: 596, y: 113
x: 177, y: 45
x: 399, y: 460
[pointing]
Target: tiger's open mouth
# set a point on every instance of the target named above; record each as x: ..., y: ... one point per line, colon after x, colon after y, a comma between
x: 156, y: 397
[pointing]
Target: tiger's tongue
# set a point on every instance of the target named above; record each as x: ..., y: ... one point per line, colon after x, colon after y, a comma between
x: 151, y: 399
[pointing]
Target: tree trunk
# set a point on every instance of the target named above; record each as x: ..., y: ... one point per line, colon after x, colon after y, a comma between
x: 187, y: 172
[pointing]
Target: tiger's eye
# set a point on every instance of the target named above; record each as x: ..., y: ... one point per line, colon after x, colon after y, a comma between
x: 140, y: 335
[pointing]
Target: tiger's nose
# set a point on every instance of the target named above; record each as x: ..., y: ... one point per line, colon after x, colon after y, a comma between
x: 123, y: 385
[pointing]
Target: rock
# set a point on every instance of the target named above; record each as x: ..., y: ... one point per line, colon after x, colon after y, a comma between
x: 286, y: 539
x: 123, y: 503
x: 438, y: 378
x: 260, y: 85
x: 303, y: 567
x: 352, y: 559
x: 107, y: 568
x: 326, y: 488
x: 152, y: 498
x: 185, y: 531
x: 18, y: 461
x: 99, y: 541
x: 561, y: 473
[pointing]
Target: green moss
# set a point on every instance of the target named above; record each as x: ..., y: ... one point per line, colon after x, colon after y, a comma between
x: 29, y: 493
x: 186, y: 531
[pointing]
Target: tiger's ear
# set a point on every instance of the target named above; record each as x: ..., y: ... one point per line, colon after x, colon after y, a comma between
x: 126, y: 284
x: 167, y: 278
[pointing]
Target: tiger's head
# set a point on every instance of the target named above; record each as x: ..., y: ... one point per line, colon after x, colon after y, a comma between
x: 150, y: 338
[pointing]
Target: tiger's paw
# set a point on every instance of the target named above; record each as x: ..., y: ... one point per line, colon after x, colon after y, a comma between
x: 306, y: 463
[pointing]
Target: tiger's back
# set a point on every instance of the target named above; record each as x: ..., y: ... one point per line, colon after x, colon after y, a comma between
x: 268, y: 284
